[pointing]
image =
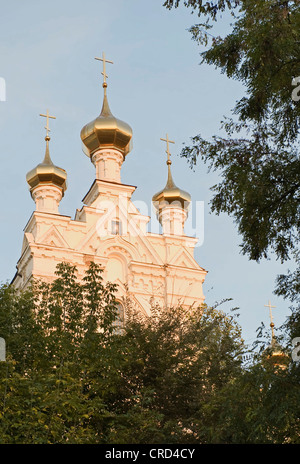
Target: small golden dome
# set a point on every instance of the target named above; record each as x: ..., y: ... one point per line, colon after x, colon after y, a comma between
x: 106, y: 131
x: 171, y: 194
x: 274, y: 355
x: 46, y: 173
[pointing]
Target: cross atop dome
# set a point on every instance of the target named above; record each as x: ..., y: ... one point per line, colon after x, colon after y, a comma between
x: 271, y: 316
x: 47, y: 116
x: 104, y: 61
x: 168, y: 150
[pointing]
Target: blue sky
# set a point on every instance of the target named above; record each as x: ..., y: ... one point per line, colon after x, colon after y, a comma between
x: 156, y: 85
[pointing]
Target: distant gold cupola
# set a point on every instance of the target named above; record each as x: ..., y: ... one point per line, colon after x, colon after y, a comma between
x: 47, y: 182
x: 171, y: 203
x: 274, y: 355
x: 106, y: 134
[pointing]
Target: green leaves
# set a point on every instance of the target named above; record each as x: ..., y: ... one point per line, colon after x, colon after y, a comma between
x: 52, y: 333
x: 70, y: 378
x: 172, y: 376
x: 259, y: 188
x: 258, y: 159
x: 210, y: 9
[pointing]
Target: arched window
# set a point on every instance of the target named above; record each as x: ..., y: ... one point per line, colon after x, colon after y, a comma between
x: 116, y: 227
x: 118, y: 323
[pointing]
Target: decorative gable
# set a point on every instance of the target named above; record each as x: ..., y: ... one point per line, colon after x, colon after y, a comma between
x: 53, y: 238
x: 184, y: 259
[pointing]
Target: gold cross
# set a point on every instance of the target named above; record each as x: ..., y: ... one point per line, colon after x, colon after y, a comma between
x: 271, y: 316
x: 167, y: 150
x: 47, y: 124
x: 104, y: 61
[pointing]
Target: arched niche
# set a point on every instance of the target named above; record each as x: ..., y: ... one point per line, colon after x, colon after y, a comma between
x: 116, y: 268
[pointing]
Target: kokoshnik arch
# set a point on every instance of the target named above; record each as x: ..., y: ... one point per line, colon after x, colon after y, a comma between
x: 108, y: 229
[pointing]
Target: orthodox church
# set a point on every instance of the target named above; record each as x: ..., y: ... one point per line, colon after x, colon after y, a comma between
x: 108, y: 229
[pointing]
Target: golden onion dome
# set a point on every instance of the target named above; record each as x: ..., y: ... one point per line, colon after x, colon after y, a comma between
x: 106, y: 131
x: 46, y: 173
x: 274, y: 355
x: 171, y: 194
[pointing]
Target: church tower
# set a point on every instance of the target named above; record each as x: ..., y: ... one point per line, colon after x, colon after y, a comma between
x: 47, y: 182
x: 108, y: 229
x: 171, y: 203
x: 274, y: 355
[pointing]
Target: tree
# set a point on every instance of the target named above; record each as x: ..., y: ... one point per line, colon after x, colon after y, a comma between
x: 258, y: 159
x: 174, y: 375
x: 177, y: 359
x: 70, y: 377
x: 260, y: 406
x: 51, y: 336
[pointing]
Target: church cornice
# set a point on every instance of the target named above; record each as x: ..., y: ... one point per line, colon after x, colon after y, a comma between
x: 170, y: 267
x: 116, y: 187
x: 38, y: 214
x: 174, y: 239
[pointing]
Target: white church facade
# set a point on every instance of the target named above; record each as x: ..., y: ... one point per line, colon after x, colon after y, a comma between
x: 108, y: 229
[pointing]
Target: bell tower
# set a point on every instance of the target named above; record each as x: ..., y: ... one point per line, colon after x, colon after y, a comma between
x: 106, y: 140
x: 171, y: 203
x: 47, y: 182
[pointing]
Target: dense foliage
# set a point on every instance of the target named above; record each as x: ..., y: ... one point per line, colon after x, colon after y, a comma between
x: 173, y: 376
x: 258, y: 158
